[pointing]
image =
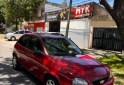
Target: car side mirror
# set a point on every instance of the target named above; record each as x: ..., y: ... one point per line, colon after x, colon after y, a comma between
x: 39, y: 53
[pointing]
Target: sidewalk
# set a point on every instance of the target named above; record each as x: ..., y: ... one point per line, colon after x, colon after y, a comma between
x: 92, y: 52
x: 101, y: 52
x: 1, y: 36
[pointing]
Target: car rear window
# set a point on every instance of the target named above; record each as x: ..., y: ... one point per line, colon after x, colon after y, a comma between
x: 21, y: 32
x: 27, y: 32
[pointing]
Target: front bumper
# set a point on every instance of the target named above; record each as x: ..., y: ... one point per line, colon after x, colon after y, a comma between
x: 6, y: 37
x: 110, y: 81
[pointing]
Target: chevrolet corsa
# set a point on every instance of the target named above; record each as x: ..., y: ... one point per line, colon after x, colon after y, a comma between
x: 56, y: 60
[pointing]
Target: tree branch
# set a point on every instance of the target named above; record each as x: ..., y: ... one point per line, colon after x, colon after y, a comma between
x: 108, y: 8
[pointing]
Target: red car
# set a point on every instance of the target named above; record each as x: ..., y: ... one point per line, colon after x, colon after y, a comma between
x: 56, y: 60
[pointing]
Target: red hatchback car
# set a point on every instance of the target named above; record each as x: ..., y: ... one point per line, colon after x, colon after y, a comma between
x: 56, y: 60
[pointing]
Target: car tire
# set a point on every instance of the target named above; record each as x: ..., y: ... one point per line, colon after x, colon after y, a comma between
x: 13, y: 38
x: 51, y: 81
x: 15, y: 63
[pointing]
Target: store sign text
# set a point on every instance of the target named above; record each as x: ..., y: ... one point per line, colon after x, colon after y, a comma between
x: 78, y: 12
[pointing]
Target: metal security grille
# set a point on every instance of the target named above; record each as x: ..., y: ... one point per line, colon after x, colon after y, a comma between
x: 107, y: 38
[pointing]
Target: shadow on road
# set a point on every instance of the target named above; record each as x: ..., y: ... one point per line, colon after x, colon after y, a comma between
x: 8, y: 76
x: 31, y: 77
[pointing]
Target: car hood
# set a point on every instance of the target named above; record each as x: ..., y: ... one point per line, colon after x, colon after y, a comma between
x: 85, y: 67
x: 9, y: 33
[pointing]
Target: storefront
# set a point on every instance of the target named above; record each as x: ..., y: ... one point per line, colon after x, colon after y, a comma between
x: 79, y: 29
x: 84, y: 18
x: 37, y: 27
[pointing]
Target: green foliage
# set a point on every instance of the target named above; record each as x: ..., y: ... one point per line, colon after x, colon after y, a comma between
x: 2, y: 20
x: 18, y: 10
x: 116, y: 63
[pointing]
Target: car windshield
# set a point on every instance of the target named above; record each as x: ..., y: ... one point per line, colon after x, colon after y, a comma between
x: 61, y: 47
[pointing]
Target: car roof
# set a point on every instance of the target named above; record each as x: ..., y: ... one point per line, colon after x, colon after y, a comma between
x: 48, y: 35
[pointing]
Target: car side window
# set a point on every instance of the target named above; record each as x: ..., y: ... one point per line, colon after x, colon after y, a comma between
x: 27, y: 32
x: 16, y: 32
x: 21, y: 32
x: 23, y: 41
x: 34, y: 44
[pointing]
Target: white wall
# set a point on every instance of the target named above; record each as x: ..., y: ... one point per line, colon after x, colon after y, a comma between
x: 79, y: 31
x: 50, y: 8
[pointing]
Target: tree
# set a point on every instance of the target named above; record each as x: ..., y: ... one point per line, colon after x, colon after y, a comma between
x: 117, y: 13
x: 2, y: 20
x: 18, y: 10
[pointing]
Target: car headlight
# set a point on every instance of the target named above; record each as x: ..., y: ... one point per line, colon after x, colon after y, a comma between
x: 78, y: 81
x: 110, y: 75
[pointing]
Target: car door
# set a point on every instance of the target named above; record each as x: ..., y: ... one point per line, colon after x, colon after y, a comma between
x: 21, y: 47
x: 20, y: 34
x: 35, y: 61
x: 15, y: 34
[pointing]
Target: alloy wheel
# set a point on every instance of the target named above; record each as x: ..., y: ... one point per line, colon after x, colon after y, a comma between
x: 13, y: 38
x: 14, y: 62
x: 50, y: 82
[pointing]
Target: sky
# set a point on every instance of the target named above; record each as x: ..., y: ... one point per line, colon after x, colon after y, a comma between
x: 78, y: 2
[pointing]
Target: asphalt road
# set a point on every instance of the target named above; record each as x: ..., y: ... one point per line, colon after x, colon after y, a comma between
x: 8, y: 76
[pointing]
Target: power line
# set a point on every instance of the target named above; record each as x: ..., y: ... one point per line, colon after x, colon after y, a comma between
x: 81, y: 2
x: 58, y: 9
x: 76, y: 4
x: 74, y: 1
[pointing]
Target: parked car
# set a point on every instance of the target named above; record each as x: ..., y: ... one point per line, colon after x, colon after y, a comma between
x: 16, y: 35
x: 56, y: 60
x: 55, y: 33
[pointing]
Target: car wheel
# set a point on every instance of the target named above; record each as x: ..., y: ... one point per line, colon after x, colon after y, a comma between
x: 51, y: 81
x: 15, y: 63
x: 13, y: 38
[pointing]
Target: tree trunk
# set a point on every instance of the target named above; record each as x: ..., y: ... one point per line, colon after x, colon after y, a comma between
x: 117, y: 13
x: 16, y: 24
x: 121, y: 29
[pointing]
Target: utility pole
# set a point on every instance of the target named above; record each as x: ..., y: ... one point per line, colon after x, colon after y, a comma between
x: 68, y: 22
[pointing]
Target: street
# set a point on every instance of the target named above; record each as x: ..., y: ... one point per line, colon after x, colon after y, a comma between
x: 8, y: 76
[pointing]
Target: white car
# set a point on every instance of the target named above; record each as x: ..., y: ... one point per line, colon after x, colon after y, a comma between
x: 15, y: 35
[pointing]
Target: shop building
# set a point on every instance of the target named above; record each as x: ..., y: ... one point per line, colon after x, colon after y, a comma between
x: 86, y: 24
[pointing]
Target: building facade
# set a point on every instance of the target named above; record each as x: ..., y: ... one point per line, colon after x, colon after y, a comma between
x: 85, y: 19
